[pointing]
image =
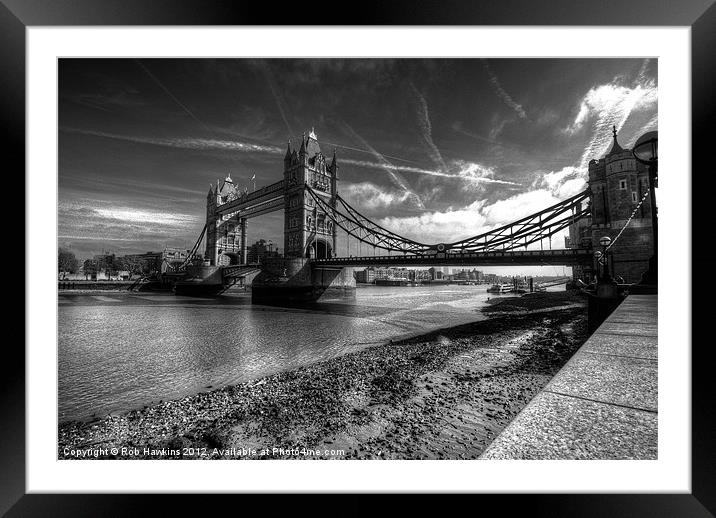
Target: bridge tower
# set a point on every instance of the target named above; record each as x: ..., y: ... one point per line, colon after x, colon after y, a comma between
x: 225, y: 244
x: 308, y: 231
x: 617, y: 183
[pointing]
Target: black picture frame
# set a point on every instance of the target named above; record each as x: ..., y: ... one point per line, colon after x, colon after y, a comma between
x: 700, y: 15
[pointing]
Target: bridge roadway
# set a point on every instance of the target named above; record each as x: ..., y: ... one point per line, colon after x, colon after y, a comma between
x: 560, y: 257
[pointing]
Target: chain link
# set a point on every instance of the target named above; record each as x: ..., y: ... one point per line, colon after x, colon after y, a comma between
x: 627, y: 222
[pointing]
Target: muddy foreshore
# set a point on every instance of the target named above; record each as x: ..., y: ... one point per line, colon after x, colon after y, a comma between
x: 443, y: 395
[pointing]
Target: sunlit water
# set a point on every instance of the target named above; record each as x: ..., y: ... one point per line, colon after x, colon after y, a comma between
x: 122, y: 351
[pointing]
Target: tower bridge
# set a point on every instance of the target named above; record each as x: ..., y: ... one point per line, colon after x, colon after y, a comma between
x: 320, y: 227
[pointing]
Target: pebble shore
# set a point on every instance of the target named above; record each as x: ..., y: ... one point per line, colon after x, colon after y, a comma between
x: 442, y: 395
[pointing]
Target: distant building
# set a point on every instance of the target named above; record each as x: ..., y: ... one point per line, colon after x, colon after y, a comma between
x: 383, y: 273
x: 420, y: 275
x: 173, y: 257
x: 436, y: 274
x: 260, y: 250
x: 366, y: 276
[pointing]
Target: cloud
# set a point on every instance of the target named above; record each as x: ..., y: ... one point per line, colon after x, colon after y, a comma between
x: 472, y: 173
x: 133, y: 215
x: 652, y: 124
x: 183, y: 142
x: 508, y: 210
x: 367, y: 195
x: 606, y: 105
x: 438, y: 226
x: 502, y: 94
x: 102, y: 220
x: 455, y: 224
x: 477, y: 175
x: 426, y: 130
x: 564, y: 183
x: 387, y: 166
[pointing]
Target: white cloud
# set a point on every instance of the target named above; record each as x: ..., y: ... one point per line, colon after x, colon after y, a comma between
x: 518, y: 206
x: 456, y: 224
x: 434, y: 227
x: 387, y: 166
x: 476, y: 175
x: 366, y: 195
x: 610, y: 105
x: 184, y: 143
x: 571, y: 187
x: 613, y: 102
x: 564, y: 183
x: 132, y: 215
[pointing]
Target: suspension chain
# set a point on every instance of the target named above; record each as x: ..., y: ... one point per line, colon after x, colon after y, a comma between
x: 633, y: 213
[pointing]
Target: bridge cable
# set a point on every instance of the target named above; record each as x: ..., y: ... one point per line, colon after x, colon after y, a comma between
x: 633, y: 213
x: 532, y: 228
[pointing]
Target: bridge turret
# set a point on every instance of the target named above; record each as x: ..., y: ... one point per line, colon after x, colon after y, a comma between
x: 622, y: 181
x: 302, y: 150
x: 211, y: 199
x: 308, y: 231
x: 333, y: 166
x: 597, y: 185
x: 287, y: 157
x: 617, y: 183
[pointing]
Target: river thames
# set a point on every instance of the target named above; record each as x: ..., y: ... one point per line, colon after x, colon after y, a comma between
x: 120, y: 351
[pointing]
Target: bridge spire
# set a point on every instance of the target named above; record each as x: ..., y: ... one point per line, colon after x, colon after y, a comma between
x: 333, y: 161
x: 616, y: 148
x: 287, y: 158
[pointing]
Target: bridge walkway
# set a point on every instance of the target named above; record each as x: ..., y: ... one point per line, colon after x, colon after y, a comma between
x: 603, y: 403
x: 559, y: 257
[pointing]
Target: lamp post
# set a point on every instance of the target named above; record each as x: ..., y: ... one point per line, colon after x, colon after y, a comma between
x: 646, y: 151
x: 605, y: 241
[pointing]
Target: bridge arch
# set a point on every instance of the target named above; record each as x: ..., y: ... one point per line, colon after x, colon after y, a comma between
x: 229, y: 259
x: 319, y: 248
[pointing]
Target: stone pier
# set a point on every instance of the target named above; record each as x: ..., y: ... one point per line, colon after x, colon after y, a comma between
x: 299, y: 280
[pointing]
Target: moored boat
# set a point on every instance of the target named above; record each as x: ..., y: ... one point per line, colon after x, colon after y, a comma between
x: 501, y: 288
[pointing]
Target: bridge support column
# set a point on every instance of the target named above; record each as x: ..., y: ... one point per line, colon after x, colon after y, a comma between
x: 242, y: 253
x: 300, y: 280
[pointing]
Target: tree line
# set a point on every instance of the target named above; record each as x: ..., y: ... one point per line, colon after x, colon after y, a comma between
x: 67, y: 262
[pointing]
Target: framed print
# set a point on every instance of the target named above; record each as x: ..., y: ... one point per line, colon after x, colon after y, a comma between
x: 417, y: 253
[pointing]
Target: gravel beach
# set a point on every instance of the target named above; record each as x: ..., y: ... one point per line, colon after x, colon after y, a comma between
x: 442, y: 395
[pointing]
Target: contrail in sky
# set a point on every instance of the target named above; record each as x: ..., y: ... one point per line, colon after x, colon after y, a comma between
x: 366, y: 151
x: 200, y: 144
x: 172, y: 96
x: 277, y: 97
x: 426, y: 128
x: 502, y: 94
x: 641, y: 76
x: 386, y: 166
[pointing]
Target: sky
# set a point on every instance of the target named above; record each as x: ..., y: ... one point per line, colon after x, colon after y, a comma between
x: 433, y: 149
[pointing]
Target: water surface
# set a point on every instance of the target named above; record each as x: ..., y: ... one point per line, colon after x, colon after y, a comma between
x: 118, y: 351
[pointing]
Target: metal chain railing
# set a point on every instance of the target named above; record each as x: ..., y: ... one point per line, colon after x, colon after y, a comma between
x: 633, y: 213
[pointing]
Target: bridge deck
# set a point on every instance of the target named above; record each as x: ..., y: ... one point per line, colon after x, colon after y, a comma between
x: 566, y: 257
x: 258, y: 197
